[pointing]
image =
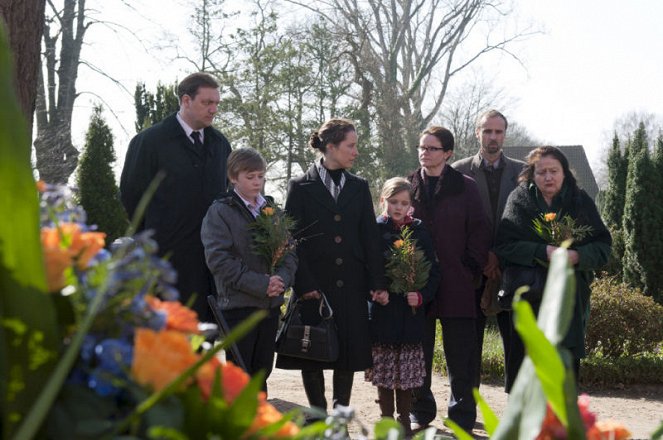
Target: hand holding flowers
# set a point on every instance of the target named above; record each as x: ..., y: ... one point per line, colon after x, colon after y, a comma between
x: 272, y: 236
x: 406, y: 266
x: 555, y: 231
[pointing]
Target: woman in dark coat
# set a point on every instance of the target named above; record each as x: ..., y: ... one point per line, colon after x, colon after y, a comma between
x: 450, y: 207
x: 547, y: 185
x: 339, y: 255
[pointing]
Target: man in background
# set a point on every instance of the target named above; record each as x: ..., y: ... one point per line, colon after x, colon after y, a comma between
x: 496, y: 175
x: 192, y: 155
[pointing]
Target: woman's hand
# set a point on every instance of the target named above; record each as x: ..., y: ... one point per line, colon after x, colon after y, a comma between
x: 574, y: 257
x: 380, y: 296
x: 275, y: 286
x: 412, y: 299
x: 313, y: 294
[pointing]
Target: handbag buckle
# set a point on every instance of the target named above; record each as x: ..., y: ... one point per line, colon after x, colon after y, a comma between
x: 306, y: 341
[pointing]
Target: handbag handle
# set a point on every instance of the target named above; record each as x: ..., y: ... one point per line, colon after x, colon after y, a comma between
x: 324, y: 303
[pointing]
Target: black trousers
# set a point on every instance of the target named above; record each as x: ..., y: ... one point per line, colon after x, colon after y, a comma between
x: 258, y: 346
x: 459, y: 337
x: 314, y: 386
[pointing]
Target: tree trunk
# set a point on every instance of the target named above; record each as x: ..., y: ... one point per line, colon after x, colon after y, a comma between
x: 25, y: 24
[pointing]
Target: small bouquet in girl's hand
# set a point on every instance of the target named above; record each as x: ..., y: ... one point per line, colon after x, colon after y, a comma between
x: 407, y: 267
x: 272, y: 235
x: 555, y: 231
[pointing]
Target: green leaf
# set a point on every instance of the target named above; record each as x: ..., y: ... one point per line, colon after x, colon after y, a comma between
x: 547, y: 363
x: 28, y: 331
x: 459, y: 432
x: 242, y: 412
x: 384, y: 429
x: 490, y: 420
x: 556, y: 309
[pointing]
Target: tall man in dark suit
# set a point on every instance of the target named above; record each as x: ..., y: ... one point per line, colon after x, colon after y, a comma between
x: 193, y: 156
x: 496, y: 176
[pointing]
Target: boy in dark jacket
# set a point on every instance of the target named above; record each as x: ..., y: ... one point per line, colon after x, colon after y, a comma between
x: 243, y: 279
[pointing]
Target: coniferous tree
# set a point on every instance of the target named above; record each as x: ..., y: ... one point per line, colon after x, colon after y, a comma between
x: 634, y: 222
x: 153, y: 107
x: 98, y: 192
x: 613, y: 204
x: 655, y: 224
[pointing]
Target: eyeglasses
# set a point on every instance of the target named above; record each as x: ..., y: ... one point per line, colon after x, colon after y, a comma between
x: 424, y: 148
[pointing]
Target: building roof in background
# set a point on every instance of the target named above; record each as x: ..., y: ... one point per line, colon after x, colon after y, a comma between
x: 577, y: 160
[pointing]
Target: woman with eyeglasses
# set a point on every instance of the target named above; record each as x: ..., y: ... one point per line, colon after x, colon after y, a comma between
x: 449, y: 204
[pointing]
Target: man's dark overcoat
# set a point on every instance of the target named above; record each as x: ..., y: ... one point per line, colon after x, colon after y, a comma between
x: 193, y: 179
x: 339, y: 255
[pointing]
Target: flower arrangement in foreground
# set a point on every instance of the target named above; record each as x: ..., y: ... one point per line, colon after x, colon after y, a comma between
x: 406, y: 266
x: 556, y: 231
x: 272, y: 235
x: 138, y: 369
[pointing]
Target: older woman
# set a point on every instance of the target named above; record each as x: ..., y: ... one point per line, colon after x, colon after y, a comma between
x: 547, y: 186
x: 340, y: 256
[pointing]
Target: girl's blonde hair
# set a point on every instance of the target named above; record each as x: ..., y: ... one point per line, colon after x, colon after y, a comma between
x: 392, y: 187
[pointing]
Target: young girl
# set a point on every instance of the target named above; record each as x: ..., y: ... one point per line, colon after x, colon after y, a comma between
x: 397, y: 327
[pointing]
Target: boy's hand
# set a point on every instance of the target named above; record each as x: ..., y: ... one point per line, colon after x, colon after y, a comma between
x: 275, y: 286
x: 380, y: 296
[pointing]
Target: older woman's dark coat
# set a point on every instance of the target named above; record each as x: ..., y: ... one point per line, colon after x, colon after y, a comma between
x: 339, y: 255
x: 519, y: 244
x: 455, y: 218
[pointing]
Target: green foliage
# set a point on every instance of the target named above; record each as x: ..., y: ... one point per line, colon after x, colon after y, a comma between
x: 643, y: 239
x: 406, y: 266
x: 153, y: 107
x: 623, y: 322
x: 28, y: 331
x: 272, y: 236
x: 615, y: 195
x: 643, y: 368
x: 97, y: 191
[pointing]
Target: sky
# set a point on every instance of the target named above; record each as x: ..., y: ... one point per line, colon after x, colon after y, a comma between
x: 593, y: 62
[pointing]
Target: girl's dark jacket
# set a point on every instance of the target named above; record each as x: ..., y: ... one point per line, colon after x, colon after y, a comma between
x: 518, y: 243
x: 339, y: 255
x: 455, y: 218
x: 395, y: 323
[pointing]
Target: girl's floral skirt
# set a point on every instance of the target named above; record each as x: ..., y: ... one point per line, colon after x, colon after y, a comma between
x: 397, y: 366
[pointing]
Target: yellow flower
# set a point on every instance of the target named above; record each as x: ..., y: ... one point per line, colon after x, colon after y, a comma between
x: 549, y: 217
x: 159, y: 357
x: 398, y: 244
x: 268, y: 211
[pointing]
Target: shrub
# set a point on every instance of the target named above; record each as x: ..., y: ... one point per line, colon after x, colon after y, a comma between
x: 646, y: 368
x: 622, y: 321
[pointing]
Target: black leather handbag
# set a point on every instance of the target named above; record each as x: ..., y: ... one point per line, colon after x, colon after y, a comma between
x: 314, y: 342
x: 516, y: 276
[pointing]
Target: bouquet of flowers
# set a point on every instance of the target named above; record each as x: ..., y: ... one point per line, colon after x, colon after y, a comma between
x: 555, y: 232
x: 272, y: 235
x: 406, y: 266
x: 131, y: 358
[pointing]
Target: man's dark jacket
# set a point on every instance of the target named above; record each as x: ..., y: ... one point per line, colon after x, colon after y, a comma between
x: 193, y: 179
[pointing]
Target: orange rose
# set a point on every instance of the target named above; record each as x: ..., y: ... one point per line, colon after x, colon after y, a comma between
x: 233, y: 379
x: 608, y: 430
x: 57, y: 258
x: 41, y: 186
x: 549, y: 217
x: 398, y: 244
x: 267, y: 415
x: 178, y: 316
x: 268, y: 211
x: 159, y: 357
